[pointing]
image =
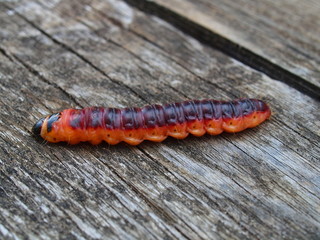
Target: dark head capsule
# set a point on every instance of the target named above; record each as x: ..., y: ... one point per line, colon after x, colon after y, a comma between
x: 36, y: 130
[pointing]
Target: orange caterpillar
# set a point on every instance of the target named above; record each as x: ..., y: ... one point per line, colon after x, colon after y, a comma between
x: 153, y: 122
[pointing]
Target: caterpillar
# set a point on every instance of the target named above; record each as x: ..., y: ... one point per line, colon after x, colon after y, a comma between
x: 152, y: 122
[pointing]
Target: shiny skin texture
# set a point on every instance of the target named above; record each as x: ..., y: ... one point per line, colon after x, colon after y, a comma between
x: 152, y: 122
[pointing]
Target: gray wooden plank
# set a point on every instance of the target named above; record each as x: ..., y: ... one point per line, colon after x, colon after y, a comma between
x: 278, y: 38
x: 255, y: 184
x: 69, y: 189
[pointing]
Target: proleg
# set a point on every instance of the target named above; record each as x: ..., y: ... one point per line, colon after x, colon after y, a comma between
x: 152, y: 122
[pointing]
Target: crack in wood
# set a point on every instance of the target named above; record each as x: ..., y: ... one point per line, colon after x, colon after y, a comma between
x: 167, y: 56
x: 162, y: 213
x: 284, y: 189
x: 150, y: 157
x: 242, y: 216
x: 314, y: 138
x: 109, y: 189
x: 251, y: 234
x: 3, y: 51
x: 37, y: 74
x: 70, y: 49
x: 232, y: 49
x: 179, y: 64
x: 302, y: 186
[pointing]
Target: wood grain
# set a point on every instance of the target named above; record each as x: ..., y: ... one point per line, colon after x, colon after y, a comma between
x: 262, y: 183
x: 280, y: 39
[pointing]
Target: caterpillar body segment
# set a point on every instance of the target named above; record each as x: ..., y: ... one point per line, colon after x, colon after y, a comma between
x: 152, y: 122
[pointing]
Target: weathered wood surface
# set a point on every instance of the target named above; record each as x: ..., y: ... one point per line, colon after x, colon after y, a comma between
x: 260, y: 184
x: 279, y: 38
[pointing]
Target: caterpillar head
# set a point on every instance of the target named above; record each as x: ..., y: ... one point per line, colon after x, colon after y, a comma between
x: 43, y: 126
x: 36, y: 129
